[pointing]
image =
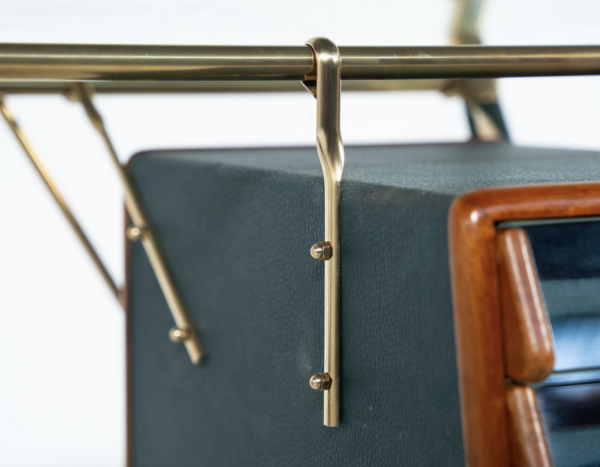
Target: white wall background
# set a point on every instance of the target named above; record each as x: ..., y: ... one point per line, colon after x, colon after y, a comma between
x: 62, y: 390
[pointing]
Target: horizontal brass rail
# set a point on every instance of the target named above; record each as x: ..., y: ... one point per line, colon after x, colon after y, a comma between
x: 166, y: 87
x: 62, y: 62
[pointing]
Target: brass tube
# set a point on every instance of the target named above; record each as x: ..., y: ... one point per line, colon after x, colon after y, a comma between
x: 468, y: 61
x: 58, y: 197
x: 160, y: 63
x: 173, y: 87
x: 62, y: 62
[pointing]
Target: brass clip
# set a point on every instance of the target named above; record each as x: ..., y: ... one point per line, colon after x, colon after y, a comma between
x: 326, y: 87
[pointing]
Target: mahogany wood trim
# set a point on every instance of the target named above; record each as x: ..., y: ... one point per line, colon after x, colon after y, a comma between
x: 528, y: 344
x: 477, y: 312
x: 527, y: 439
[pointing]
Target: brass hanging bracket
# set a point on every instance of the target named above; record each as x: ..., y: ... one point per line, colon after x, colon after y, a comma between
x: 325, y: 84
x: 141, y: 230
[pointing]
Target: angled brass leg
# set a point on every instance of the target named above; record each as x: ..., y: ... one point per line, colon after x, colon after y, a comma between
x: 480, y: 95
x: 326, y: 87
x: 184, y: 332
x: 58, y: 197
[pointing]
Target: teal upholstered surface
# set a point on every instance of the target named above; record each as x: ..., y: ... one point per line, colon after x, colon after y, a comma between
x: 236, y: 227
x: 449, y: 169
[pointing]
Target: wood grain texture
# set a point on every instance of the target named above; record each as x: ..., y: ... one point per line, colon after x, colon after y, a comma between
x: 527, y: 439
x: 528, y: 344
x: 476, y: 296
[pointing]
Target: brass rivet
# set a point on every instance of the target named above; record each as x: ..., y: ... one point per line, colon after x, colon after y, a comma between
x: 321, y: 251
x: 178, y: 334
x: 135, y: 234
x: 320, y: 382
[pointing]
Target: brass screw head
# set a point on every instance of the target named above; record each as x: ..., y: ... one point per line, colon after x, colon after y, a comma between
x: 178, y: 334
x: 320, y: 382
x: 135, y: 234
x: 321, y: 251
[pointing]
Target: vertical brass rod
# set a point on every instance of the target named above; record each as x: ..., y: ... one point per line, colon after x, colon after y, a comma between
x: 185, y: 331
x: 327, y: 90
x: 58, y: 197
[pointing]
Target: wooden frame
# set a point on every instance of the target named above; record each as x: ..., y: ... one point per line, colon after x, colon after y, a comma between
x: 488, y: 405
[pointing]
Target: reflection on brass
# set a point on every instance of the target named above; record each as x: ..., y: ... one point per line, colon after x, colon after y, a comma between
x: 135, y: 233
x: 144, y: 232
x: 320, y: 382
x: 60, y: 200
x: 51, y: 68
x: 465, y: 22
x: 475, y: 92
x: 178, y: 334
x: 321, y: 251
x: 325, y: 84
x: 76, y: 62
x: 212, y: 87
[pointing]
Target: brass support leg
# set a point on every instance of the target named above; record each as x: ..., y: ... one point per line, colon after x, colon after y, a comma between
x: 185, y: 331
x: 480, y: 96
x: 326, y: 87
x: 58, y: 197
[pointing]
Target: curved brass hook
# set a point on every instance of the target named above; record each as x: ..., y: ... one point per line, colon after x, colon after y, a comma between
x: 326, y: 87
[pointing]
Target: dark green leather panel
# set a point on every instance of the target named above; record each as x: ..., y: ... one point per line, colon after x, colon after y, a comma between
x: 236, y: 227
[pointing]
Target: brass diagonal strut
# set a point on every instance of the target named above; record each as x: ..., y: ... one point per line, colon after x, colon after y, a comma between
x: 58, y: 197
x: 184, y: 331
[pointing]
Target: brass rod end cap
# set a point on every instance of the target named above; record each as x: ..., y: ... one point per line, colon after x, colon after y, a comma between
x: 178, y: 334
x: 135, y: 233
x: 321, y: 251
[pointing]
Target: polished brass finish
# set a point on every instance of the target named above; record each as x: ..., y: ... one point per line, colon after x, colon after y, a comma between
x: 49, y: 68
x: 465, y: 22
x: 135, y: 233
x: 320, y: 382
x: 144, y: 232
x: 61, y: 62
x: 475, y: 92
x: 486, y: 128
x: 325, y: 83
x: 72, y: 62
x: 178, y: 334
x: 212, y: 87
x: 60, y: 200
x: 321, y: 251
